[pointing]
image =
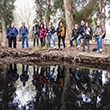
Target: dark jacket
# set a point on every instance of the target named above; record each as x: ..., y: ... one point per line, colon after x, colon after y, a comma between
x: 75, y: 32
x: 12, y: 32
x: 88, y: 33
x: 81, y: 29
x: 35, y: 29
x: 23, y: 31
x: 59, y: 30
x: 52, y: 32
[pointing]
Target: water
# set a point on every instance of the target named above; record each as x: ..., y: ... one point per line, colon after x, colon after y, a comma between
x: 28, y: 87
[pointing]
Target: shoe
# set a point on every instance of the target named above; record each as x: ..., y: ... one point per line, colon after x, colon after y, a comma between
x: 78, y: 46
x: 83, y: 51
x: 100, y: 50
x: 59, y: 49
x: 71, y: 46
x: 97, y: 51
x: 55, y: 47
x: 49, y: 48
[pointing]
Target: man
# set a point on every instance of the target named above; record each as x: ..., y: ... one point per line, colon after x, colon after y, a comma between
x: 99, y: 33
x: 35, y: 31
x: 75, y: 34
x: 24, y: 32
x: 81, y: 33
x: 12, y: 32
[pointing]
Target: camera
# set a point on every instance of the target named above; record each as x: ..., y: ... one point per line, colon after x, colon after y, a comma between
x: 23, y: 34
x: 95, y: 35
x: 12, y: 33
x: 42, y: 34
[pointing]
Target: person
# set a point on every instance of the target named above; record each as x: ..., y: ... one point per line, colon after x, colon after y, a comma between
x: 24, y: 32
x: 13, y: 76
x: 35, y: 31
x: 61, y: 33
x: 42, y: 34
x: 99, y: 33
x: 24, y: 76
x: 51, y: 31
x: 81, y: 33
x: 12, y: 32
x: 75, y: 34
x: 87, y: 35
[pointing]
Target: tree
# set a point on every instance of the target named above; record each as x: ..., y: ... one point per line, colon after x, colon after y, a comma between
x: 39, y: 10
x: 69, y: 17
x: 6, y: 15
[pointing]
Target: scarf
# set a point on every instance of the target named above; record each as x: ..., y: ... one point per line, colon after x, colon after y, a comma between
x: 63, y: 31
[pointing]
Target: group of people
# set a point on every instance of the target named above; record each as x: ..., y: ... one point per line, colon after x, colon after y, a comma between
x: 39, y: 32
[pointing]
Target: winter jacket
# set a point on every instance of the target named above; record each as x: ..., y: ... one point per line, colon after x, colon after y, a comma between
x: 51, y: 32
x: 99, y: 31
x: 75, y: 32
x: 88, y: 33
x: 42, y: 32
x: 59, y: 30
x: 12, y: 32
x: 23, y: 31
x: 81, y: 29
x: 35, y: 29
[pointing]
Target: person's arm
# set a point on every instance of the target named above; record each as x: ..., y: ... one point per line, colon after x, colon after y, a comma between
x: 33, y: 29
x: 73, y: 32
x: 20, y: 31
x: 104, y: 31
x: 65, y: 31
x: 45, y: 32
x: 27, y: 32
x: 16, y: 33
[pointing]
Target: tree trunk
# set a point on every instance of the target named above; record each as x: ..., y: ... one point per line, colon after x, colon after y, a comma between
x: 47, y: 12
x: 5, y: 40
x: 39, y: 11
x: 69, y: 17
x: 47, y: 19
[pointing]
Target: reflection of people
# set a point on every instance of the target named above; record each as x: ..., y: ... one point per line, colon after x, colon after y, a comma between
x: 13, y: 76
x: 35, y: 80
x: 49, y: 72
x: 24, y: 76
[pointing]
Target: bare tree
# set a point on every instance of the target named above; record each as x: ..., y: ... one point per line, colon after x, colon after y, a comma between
x: 69, y: 17
x: 39, y: 10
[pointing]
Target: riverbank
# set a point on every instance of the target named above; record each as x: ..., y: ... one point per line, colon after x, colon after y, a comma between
x: 70, y: 55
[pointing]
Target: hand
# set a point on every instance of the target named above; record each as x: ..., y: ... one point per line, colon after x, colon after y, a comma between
x: 48, y: 31
x: 35, y: 32
x: 100, y: 36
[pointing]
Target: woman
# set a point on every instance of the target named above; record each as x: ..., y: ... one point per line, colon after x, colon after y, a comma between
x: 51, y: 31
x: 61, y: 33
x: 42, y: 33
x: 87, y: 35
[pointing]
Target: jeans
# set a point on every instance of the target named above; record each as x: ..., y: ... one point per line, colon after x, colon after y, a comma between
x: 52, y: 75
x: 79, y: 37
x: 26, y: 39
x: 71, y: 40
x: 84, y: 40
x: 42, y: 40
x: 99, y: 43
x: 10, y: 39
x: 52, y: 36
x: 59, y: 41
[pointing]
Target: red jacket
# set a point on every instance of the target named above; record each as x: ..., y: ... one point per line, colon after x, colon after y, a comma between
x: 44, y: 31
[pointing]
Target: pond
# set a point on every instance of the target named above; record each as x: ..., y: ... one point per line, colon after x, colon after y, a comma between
x: 53, y: 87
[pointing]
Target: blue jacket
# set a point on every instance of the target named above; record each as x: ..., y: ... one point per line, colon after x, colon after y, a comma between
x: 12, y: 32
x: 58, y: 31
x: 23, y: 30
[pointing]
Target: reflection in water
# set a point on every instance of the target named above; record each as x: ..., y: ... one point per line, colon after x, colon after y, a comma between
x: 53, y: 87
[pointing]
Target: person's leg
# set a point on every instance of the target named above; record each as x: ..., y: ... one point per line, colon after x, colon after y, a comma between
x: 97, y: 40
x: 34, y: 40
x: 88, y: 45
x: 10, y: 42
x: 26, y: 38
x: 71, y: 41
x: 63, y: 39
x: 79, y: 37
x: 41, y: 40
x: 59, y: 40
x: 49, y: 39
x: 37, y: 39
x: 52, y: 36
x: 22, y: 37
x: 100, y: 44
x: 84, y: 44
x: 14, y: 42
x: 44, y: 41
